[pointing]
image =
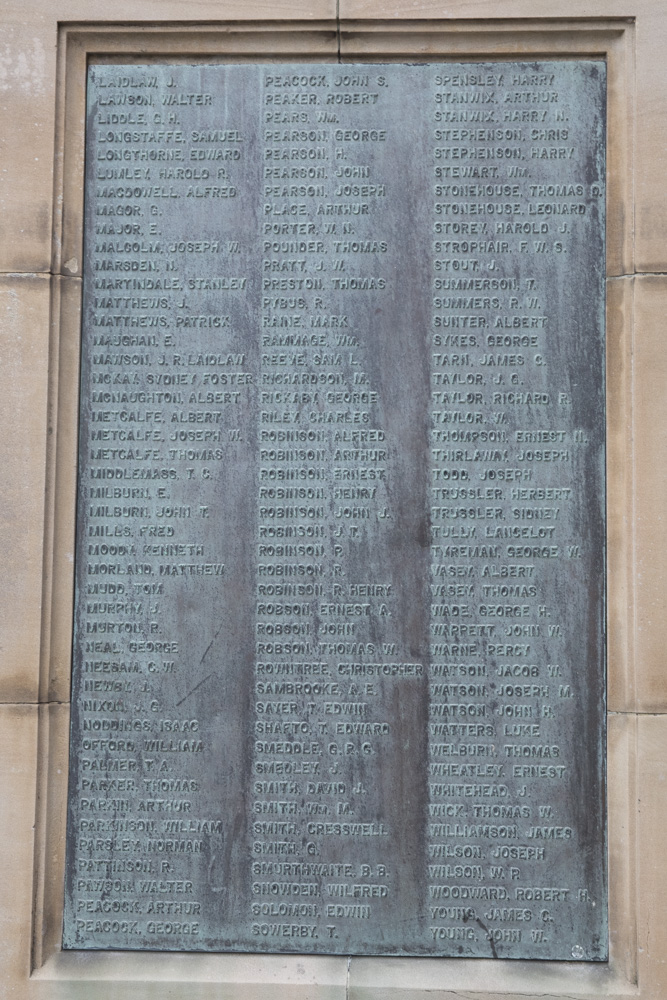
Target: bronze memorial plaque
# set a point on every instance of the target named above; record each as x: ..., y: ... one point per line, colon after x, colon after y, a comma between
x: 338, y: 665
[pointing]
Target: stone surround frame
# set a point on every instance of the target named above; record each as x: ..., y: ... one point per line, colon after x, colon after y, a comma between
x: 57, y: 975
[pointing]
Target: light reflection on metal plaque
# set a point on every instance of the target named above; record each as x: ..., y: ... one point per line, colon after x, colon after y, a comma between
x: 338, y: 680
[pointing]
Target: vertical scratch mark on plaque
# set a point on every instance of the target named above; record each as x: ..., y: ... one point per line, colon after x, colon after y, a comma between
x: 196, y: 685
x: 208, y: 676
x: 489, y: 936
x: 208, y: 648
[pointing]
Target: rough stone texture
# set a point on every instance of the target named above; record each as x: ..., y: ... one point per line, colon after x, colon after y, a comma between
x: 651, y: 523
x: 60, y: 489
x: 18, y: 760
x: 24, y: 317
x: 621, y: 676
x: 651, y: 755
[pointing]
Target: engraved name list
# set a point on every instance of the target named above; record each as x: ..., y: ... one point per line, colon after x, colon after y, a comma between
x: 338, y: 665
